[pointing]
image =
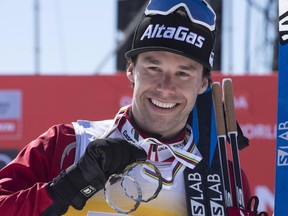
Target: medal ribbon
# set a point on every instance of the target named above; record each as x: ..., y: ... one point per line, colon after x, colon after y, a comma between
x: 185, y: 154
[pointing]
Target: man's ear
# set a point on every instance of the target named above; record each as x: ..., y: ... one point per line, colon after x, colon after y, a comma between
x: 130, y: 72
x: 204, y: 85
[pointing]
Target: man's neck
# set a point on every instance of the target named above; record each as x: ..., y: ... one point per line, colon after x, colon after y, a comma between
x: 145, y: 133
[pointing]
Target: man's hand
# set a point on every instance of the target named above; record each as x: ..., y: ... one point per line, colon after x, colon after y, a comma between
x: 79, y: 182
x: 110, y: 156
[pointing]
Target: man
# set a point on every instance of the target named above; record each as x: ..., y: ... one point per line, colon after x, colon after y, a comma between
x: 65, y: 169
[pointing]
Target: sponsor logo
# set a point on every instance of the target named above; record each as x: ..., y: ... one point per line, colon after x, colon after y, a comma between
x: 262, y: 131
x: 214, y: 186
x: 180, y: 33
x: 197, y: 199
x: 283, y: 28
x: 282, y: 158
x: 10, y: 114
x: 211, y: 59
x: 282, y: 151
x: 127, y: 137
x: 177, y: 145
x: 241, y: 102
x: 4, y: 107
x: 216, y: 209
x: 7, y: 127
x: 197, y: 208
x: 283, y: 130
x: 88, y: 191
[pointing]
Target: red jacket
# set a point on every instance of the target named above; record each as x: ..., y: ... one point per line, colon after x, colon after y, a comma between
x: 22, y: 182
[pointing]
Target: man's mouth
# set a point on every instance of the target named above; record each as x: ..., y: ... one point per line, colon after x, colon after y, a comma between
x: 163, y: 105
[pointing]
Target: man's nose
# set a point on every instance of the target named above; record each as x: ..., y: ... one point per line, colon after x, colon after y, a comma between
x: 166, y: 84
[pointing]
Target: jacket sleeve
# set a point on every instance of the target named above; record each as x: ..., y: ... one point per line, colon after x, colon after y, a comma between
x: 23, y: 181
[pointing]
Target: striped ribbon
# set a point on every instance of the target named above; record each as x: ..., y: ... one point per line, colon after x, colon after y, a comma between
x: 184, y: 155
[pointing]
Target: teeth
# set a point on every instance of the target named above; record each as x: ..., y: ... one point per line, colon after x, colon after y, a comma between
x: 163, y: 105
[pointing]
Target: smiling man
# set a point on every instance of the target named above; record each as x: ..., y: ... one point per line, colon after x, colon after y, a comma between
x: 65, y: 169
x: 166, y: 86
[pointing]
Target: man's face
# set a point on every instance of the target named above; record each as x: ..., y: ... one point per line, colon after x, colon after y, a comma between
x: 166, y: 86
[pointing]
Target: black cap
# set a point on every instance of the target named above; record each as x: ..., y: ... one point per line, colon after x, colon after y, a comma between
x: 174, y: 33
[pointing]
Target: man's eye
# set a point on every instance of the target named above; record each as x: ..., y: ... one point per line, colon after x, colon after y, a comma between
x: 154, y: 69
x: 182, y: 74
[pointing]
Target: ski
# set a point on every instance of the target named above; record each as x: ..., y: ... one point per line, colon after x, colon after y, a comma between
x: 221, y: 136
x: 227, y: 90
x: 204, y: 185
x: 281, y: 186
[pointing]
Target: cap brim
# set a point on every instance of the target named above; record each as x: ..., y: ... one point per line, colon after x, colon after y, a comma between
x: 137, y: 51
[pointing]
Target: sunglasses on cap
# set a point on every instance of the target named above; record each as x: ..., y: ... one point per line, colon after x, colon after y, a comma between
x: 198, y: 10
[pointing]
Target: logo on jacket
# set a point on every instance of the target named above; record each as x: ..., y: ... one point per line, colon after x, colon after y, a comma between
x: 88, y: 191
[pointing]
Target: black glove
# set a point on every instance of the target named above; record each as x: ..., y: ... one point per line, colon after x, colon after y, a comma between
x: 79, y: 182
